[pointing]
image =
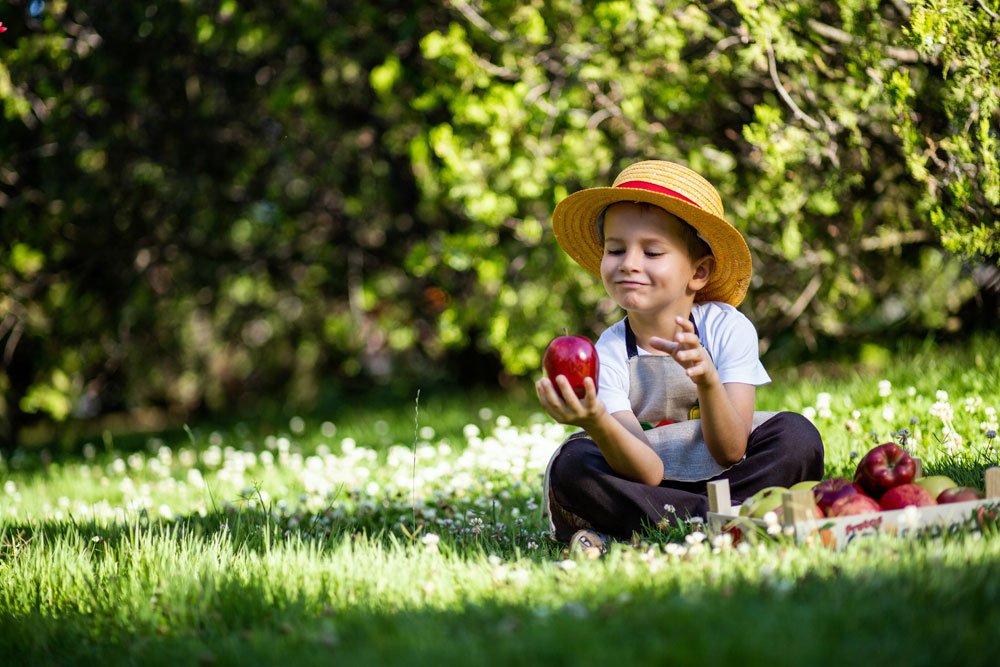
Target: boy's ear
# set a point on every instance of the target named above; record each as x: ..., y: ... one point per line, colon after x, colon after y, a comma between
x: 703, y: 270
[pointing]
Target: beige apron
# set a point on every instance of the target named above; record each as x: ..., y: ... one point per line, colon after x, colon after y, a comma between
x: 663, y: 396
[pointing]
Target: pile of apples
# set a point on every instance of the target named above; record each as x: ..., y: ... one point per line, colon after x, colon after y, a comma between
x: 884, y: 480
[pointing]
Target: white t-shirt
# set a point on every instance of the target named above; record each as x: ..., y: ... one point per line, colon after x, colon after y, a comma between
x: 725, y: 332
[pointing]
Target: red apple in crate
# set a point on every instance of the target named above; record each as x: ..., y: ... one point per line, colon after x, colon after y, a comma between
x: 830, y: 490
x: 855, y: 503
x: 959, y: 494
x: 884, y: 467
x: 574, y: 357
x: 906, y: 495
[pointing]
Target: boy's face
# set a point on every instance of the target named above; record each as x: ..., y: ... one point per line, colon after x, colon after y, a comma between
x: 646, y: 265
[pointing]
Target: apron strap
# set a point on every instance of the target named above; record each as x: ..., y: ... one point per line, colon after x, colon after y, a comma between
x: 630, y: 344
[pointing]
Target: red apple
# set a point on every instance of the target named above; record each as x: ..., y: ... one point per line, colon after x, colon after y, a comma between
x: 884, y: 467
x: 851, y: 504
x: 829, y: 490
x: 959, y: 494
x: 906, y: 495
x: 574, y: 357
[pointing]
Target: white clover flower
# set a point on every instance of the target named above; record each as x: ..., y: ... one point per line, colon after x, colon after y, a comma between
x: 328, y: 429
x: 9, y: 487
x: 941, y: 395
x: 722, y: 541
x: 503, y: 421
x: 567, y: 565
x: 430, y: 541
x: 675, y: 549
x: 670, y: 509
x: 809, y: 412
x: 697, y: 537
x: 911, y: 391
x: 942, y: 410
x: 884, y: 388
x: 888, y: 413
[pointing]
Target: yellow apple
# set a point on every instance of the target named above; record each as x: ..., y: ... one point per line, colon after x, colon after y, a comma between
x: 935, y: 484
x: 766, y: 500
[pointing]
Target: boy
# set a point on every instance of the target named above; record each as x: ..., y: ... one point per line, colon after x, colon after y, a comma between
x: 683, y: 359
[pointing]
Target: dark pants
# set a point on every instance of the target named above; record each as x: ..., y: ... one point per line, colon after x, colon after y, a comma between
x: 784, y: 450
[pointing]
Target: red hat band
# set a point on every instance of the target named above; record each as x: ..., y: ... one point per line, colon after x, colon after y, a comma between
x: 653, y: 187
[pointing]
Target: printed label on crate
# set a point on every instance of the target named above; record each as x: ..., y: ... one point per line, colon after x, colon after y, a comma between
x: 839, y: 532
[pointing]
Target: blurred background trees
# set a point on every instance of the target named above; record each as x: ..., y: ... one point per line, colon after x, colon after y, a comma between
x: 206, y: 204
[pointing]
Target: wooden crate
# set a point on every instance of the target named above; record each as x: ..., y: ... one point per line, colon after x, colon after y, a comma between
x: 799, y: 517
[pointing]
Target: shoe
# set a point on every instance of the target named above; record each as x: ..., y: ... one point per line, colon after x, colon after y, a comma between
x: 588, y: 543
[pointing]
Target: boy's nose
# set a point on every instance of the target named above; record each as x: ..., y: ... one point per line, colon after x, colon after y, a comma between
x: 630, y: 261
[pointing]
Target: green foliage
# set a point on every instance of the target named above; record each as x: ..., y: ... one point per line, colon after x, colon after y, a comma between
x: 207, y: 202
x: 811, y: 119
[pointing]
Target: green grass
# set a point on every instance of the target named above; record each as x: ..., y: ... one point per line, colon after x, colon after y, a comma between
x: 410, y: 534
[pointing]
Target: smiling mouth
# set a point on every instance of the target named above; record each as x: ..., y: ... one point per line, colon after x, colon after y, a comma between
x: 630, y: 283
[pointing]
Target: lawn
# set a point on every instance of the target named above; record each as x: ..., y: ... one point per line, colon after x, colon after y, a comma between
x: 410, y: 534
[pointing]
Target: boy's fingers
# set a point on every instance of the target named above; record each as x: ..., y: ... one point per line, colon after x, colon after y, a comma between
x: 566, y: 391
x: 685, y: 338
x: 547, y: 392
x: 663, y: 344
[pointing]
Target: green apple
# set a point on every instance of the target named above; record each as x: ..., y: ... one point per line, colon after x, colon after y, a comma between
x: 766, y: 500
x: 808, y: 484
x: 935, y: 484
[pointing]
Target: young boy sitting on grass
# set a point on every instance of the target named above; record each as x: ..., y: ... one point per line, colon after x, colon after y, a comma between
x: 684, y: 360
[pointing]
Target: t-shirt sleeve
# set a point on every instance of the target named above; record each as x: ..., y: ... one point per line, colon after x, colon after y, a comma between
x: 613, y: 377
x: 734, y: 347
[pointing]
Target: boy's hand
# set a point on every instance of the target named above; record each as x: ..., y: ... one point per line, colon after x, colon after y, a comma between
x: 563, y: 405
x: 687, y: 350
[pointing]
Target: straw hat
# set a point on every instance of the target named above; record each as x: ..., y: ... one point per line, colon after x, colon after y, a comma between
x: 676, y: 189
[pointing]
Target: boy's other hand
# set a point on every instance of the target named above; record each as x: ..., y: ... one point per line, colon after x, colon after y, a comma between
x: 562, y: 404
x: 688, y: 351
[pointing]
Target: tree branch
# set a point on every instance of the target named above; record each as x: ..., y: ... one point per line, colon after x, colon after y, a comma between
x: 805, y: 298
x: 476, y: 19
x: 842, y: 37
x: 993, y: 14
x: 772, y: 67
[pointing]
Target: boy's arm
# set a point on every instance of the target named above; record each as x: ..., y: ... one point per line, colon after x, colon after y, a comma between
x: 726, y: 409
x: 726, y: 418
x: 619, y: 436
